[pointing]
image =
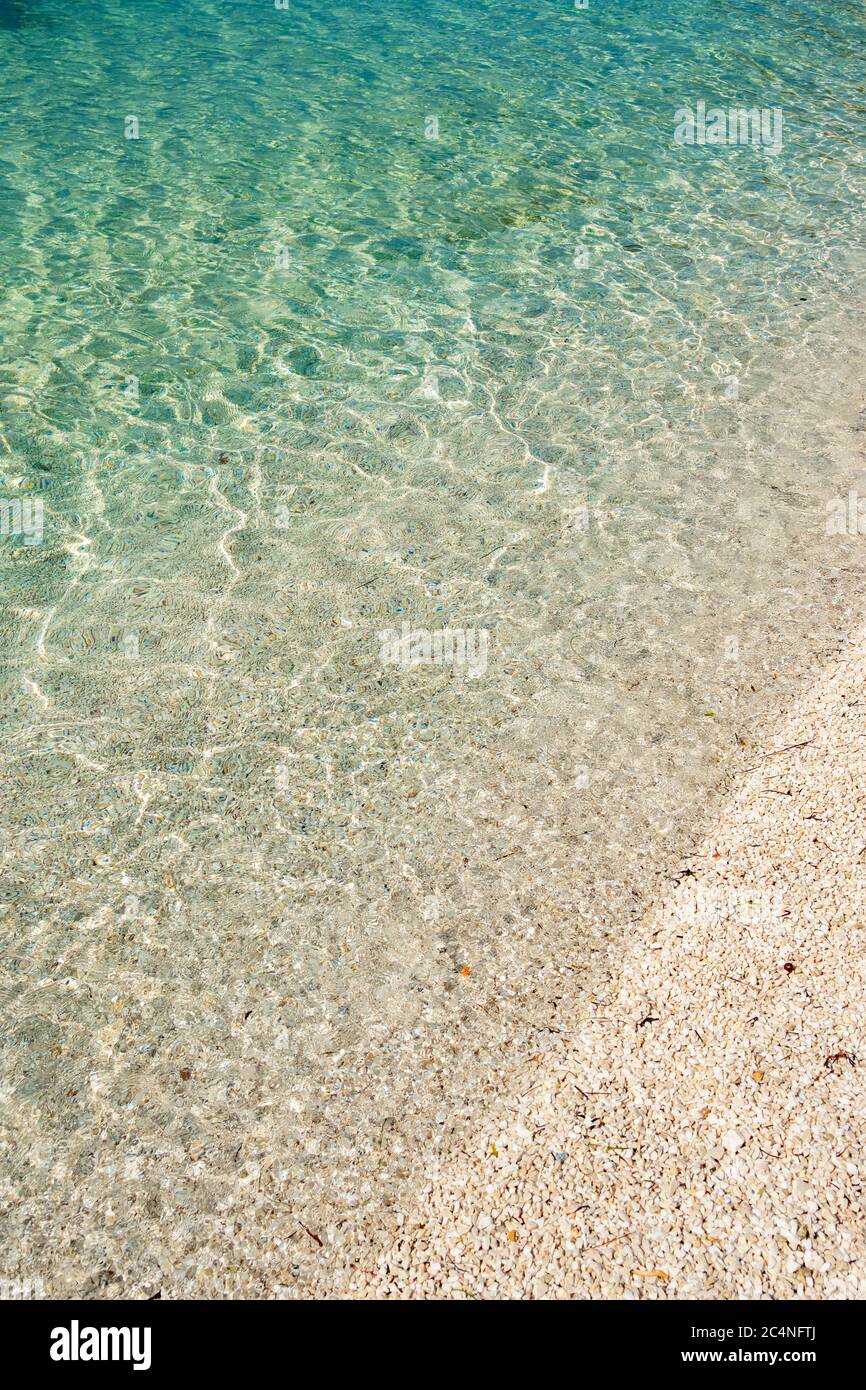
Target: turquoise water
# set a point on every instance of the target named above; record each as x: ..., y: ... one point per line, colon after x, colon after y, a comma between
x: 285, y: 372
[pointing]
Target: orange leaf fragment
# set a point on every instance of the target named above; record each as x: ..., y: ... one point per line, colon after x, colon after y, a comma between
x: 651, y: 1274
x: 512, y: 1236
x: 465, y: 970
x: 757, y: 1076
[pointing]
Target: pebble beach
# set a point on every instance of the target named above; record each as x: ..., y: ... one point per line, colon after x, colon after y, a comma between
x: 698, y: 1133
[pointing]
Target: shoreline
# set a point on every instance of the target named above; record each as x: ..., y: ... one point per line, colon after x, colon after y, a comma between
x: 262, y: 1172
x: 697, y: 1137
x: 262, y: 1069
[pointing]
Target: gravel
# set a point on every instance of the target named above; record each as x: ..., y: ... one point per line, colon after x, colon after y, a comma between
x: 699, y: 1134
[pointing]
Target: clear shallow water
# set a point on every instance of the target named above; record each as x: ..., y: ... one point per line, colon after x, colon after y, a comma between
x: 373, y: 386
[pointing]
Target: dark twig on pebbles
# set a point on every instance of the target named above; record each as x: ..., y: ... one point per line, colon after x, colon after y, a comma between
x: 774, y: 752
